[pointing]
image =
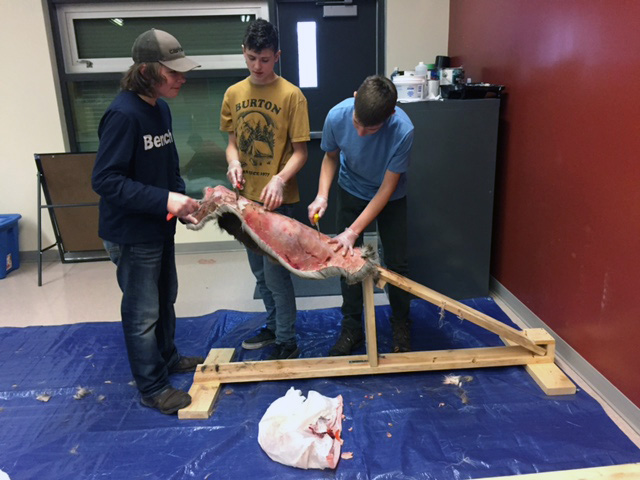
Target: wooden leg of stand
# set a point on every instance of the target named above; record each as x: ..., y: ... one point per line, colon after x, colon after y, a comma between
x: 370, y: 322
x: 548, y: 376
x: 203, y: 396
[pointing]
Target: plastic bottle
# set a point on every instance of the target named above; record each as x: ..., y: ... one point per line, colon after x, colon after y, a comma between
x: 421, y: 70
x: 433, y: 72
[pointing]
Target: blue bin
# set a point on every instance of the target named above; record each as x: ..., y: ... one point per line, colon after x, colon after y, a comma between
x: 9, y: 248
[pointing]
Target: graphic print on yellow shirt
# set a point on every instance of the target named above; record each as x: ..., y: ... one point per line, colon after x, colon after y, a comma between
x: 255, y: 133
x: 266, y: 119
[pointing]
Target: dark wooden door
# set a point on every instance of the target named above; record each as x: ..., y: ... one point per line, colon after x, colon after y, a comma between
x: 349, y: 48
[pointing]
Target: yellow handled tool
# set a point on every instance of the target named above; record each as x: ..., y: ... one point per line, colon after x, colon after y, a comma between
x: 316, y: 222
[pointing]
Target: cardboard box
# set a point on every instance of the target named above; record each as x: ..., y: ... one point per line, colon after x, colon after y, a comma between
x: 9, y: 248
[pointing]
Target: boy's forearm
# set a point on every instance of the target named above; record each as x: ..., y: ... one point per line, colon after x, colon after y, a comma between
x: 296, y: 162
x: 231, y: 152
x: 327, y: 172
x: 377, y: 203
x: 369, y: 214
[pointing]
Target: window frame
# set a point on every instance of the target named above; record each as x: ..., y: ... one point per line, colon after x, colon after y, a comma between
x: 73, y: 64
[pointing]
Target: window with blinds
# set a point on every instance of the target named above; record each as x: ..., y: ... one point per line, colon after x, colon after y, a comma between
x: 97, y: 38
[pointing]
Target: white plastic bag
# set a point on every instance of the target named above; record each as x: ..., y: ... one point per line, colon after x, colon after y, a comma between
x: 301, y: 432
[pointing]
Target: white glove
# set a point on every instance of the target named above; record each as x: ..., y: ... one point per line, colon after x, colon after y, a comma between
x: 273, y: 193
x: 319, y: 206
x: 234, y: 174
x: 180, y: 205
x: 345, y: 240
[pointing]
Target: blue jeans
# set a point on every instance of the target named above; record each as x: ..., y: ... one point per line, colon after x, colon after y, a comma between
x: 276, y: 288
x: 148, y: 279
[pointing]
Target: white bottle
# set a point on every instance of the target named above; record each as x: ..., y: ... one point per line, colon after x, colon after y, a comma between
x: 421, y: 69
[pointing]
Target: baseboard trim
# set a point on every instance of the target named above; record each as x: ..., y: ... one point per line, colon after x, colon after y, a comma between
x: 209, y: 247
x: 608, y: 392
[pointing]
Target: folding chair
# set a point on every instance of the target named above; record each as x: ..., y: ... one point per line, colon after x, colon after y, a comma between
x: 65, y: 180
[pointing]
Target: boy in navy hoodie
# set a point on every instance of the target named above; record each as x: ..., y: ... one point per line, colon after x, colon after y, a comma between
x: 138, y: 179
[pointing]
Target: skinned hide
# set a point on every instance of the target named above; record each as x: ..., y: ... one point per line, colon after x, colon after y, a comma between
x: 297, y: 247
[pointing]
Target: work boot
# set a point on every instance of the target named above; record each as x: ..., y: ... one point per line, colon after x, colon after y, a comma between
x: 262, y: 339
x: 283, y: 352
x: 347, y: 342
x: 401, y: 338
x: 186, y: 364
x: 168, y: 401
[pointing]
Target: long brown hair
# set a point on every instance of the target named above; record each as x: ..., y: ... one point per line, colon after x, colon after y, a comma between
x: 142, y: 78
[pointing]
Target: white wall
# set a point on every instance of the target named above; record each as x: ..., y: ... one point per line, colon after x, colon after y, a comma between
x: 31, y: 121
x: 417, y: 31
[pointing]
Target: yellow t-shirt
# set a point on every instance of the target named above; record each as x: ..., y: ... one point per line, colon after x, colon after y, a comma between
x: 265, y: 119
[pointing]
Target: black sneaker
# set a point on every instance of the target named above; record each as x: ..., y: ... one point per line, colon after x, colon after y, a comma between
x: 186, y: 364
x: 401, y: 338
x: 262, y: 339
x: 283, y: 352
x: 168, y: 401
x: 347, y: 342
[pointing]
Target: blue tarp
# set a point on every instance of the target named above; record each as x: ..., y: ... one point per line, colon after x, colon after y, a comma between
x: 398, y: 426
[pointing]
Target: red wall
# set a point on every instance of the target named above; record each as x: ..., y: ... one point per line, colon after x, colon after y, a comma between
x: 567, y: 221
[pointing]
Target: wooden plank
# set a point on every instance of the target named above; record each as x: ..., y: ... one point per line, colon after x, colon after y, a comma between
x: 540, y: 336
x: 551, y: 379
x: 548, y: 376
x: 461, y: 310
x: 370, y: 321
x: 627, y: 471
x: 358, y: 364
x: 203, y: 397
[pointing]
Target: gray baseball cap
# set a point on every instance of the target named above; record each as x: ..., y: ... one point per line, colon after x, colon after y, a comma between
x: 162, y: 47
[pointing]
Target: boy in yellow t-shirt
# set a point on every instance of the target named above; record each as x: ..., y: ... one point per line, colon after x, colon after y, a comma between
x: 267, y: 120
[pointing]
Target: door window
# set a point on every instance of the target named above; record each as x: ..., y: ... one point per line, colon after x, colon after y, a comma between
x: 307, y: 55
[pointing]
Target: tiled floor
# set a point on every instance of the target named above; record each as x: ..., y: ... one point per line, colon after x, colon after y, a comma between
x: 88, y: 292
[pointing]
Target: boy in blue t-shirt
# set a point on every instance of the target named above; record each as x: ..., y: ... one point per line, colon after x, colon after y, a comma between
x: 368, y: 140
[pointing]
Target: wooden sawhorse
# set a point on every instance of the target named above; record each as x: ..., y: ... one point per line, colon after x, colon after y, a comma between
x: 533, y: 348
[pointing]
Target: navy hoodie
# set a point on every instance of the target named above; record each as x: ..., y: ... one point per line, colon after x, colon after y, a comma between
x: 136, y: 168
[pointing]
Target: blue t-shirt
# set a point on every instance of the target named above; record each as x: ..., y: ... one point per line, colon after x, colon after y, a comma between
x: 136, y: 168
x: 365, y: 160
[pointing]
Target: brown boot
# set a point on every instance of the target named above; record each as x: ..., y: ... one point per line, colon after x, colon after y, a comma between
x: 401, y: 338
x: 168, y: 401
x: 186, y: 364
x: 347, y: 342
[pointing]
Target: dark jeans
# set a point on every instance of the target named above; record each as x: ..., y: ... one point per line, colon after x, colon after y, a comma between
x: 392, y: 232
x: 276, y: 288
x: 148, y: 279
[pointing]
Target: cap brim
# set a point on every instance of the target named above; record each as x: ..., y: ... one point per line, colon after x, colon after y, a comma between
x: 183, y: 64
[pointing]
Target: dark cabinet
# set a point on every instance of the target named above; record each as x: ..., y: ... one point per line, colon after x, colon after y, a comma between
x: 450, y: 194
